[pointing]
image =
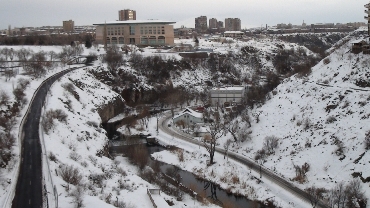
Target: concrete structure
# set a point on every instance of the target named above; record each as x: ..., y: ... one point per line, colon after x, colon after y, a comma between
x: 68, y: 26
x: 234, y: 34
x: 227, y: 95
x: 213, y: 23
x: 232, y: 24
x: 201, y: 24
x: 367, y: 17
x: 126, y: 14
x: 156, y: 198
x: 220, y: 24
x: 146, y: 33
x: 188, y: 117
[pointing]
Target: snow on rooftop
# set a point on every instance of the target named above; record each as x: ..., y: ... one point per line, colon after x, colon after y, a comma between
x: 136, y: 22
x: 191, y: 112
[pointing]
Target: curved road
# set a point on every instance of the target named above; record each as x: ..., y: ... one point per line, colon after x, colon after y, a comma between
x: 251, y: 164
x: 29, y: 184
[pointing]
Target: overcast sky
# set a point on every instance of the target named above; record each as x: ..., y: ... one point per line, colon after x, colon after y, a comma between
x: 253, y: 13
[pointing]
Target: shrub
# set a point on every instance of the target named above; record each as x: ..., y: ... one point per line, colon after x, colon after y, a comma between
x: 331, y: 119
x: 75, y: 156
x: 367, y: 140
x: 48, y: 119
x: 306, y: 124
x: 270, y: 144
x: 69, y: 87
x: 93, y: 160
x: 52, y: 157
x: 326, y: 61
x: 70, y: 174
x: 23, y: 83
x: 4, y: 97
x: 260, y: 154
x: 19, y: 94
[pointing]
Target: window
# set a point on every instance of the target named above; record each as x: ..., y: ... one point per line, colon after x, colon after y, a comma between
x: 132, y: 30
x: 132, y: 40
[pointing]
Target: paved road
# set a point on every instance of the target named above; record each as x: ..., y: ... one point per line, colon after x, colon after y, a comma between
x: 29, y: 185
x: 250, y: 163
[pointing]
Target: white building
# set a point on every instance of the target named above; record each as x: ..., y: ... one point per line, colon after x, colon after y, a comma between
x: 189, y: 117
x: 221, y: 95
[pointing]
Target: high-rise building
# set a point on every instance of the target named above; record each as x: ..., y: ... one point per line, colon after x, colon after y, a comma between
x: 126, y: 14
x: 213, y: 23
x: 367, y: 17
x: 220, y: 24
x: 201, y: 24
x: 68, y: 26
x: 232, y: 24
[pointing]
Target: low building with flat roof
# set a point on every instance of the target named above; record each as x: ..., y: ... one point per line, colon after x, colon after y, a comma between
x: 229, y: 95
x: 233, y: 34
x: 138, y: 32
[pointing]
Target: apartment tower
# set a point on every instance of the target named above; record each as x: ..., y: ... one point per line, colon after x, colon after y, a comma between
x: 232, y: 24
x: 126, y: 14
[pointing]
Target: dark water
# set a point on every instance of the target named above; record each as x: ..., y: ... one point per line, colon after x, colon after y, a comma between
x: 202, y: 187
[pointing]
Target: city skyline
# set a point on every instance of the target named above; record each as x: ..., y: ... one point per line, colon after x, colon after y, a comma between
x: 253, y: 13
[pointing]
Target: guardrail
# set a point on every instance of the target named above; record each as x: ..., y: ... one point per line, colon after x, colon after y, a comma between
x: 11, y: 191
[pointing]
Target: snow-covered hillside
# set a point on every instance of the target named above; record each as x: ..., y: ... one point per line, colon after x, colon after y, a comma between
x: 321, y: 120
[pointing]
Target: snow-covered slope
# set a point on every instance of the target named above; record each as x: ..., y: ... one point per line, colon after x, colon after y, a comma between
x: 320, y: 119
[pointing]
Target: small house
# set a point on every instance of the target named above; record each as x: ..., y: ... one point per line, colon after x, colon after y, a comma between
x: 357, y: 45
x: 188, y: 117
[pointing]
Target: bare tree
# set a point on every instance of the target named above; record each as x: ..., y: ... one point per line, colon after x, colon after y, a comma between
x: 338, y: 195
x: 270, y: 144
x: 210, y: 140
x: 355, y: 197
x: 315, y: 195
x: 226, y: 146
x: 233, y: 128
x: 114, y: 59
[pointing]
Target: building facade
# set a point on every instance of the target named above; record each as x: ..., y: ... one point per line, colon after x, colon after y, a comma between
x: 234, y: 34
x: 201, y: 24
x: 188, y: 117
x: 213, y: 23
x: 146, y: 33
x: 126, y: 14
x: 232, y: 24
x: 68, y: 26
x: 222, y: 95
x: 367, y: 17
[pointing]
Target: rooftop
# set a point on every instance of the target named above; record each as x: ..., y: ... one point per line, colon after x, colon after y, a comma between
x: 136, y: 22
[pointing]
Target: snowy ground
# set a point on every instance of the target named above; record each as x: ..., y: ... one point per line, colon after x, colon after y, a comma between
x: 296, y: 102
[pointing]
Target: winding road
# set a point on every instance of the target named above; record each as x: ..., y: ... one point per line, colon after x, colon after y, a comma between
x: 246, y: 161
x: 29, y: 191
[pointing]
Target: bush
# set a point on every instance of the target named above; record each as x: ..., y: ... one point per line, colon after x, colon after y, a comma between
x: 4, y: 97
x: 367, y: 140
x: 75, y: 156
x: 23, y: 83
x: 48, y: 119
x: 18, y: 94
x: 70, y: 174
x: 52, y: 157
x: 270, y: 144
x: 69, y: 87
x: 331, y: 119
x: 326, y: 61
x: 260, y: 154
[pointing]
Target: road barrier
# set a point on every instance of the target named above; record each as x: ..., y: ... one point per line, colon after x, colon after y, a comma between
x: 11, y: 191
